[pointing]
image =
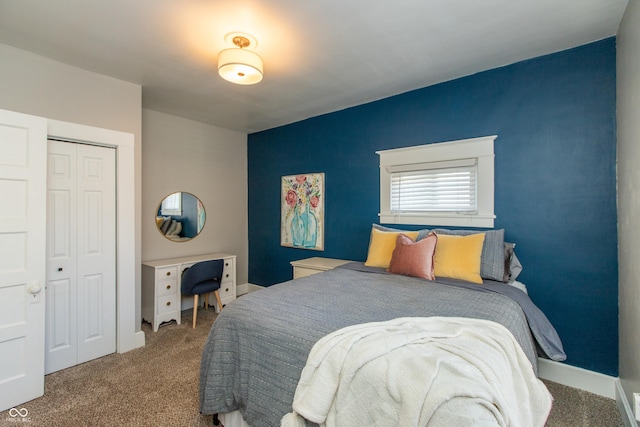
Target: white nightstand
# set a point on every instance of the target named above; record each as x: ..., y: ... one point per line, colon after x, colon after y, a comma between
x: 315, y: 265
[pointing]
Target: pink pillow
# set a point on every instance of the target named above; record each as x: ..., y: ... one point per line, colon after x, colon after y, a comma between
x: 414, y: 258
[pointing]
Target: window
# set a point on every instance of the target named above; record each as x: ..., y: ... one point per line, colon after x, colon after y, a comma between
x: 172, y: 205
x: 448, y: 183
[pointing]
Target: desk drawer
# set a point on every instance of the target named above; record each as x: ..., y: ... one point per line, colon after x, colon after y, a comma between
x: 227, y: 272
x: 163, y: 273
x: 226, y: 290
x: 167, y: 287
x: 167, y: 304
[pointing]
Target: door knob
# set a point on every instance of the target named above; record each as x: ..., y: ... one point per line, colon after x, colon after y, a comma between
x: 34, y: 288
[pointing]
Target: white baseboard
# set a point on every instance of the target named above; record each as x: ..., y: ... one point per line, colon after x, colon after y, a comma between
x: 140, y: 339
x: 136, y: 340
x: 583, y: 379
x: 242, y: 289
x: 253, y: 288
x: 624, y: 406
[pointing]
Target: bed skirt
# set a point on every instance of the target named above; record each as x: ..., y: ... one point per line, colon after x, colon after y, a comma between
x: 232, y: 419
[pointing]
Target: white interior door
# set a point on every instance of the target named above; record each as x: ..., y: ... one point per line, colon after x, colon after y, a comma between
x: 81, y: 276
x: 22, y: 257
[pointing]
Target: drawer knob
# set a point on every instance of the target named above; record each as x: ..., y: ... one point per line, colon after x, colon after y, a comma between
x: 168, y: 273
x: 226, y: 290
x: 168, y: 286
x: 227, y: 275
x: 168, y: 303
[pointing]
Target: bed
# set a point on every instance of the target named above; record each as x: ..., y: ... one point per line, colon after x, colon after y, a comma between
x: 259, y: 344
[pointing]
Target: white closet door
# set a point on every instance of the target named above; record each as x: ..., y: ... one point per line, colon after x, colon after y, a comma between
x: 96, y: 252
x: 22, y: 257
x: 80, y: 254
x: 62, y: 285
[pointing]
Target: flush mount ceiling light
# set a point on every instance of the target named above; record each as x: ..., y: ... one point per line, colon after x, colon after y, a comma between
x: 238, y: 64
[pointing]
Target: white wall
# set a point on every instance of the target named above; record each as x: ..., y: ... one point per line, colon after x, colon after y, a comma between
x: 39, y: 86
x: 628, y: 118
x: 207, y: 161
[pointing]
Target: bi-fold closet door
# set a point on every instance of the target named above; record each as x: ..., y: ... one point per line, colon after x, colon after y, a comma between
x: 81, y: 251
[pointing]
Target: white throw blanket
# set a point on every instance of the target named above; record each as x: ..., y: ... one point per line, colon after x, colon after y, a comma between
x: 437, y: 371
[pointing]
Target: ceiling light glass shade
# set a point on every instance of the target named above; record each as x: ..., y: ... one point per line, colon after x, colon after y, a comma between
x: 240, y: 66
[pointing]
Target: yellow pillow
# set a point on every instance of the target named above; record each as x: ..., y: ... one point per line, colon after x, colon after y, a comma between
x: 458, y: 257
x: 382, y: 245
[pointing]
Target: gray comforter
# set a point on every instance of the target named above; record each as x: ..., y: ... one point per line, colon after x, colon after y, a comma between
x: 259, y: 344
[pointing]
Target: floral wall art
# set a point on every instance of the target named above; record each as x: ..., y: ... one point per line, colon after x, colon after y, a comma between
x: 302, y: 217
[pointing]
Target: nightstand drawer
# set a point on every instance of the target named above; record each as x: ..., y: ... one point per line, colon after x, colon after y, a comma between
x: 299, y: 272
x: 315, y: 265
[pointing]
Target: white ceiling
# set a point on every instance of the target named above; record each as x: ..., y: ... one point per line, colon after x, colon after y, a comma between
x: 319, y: 55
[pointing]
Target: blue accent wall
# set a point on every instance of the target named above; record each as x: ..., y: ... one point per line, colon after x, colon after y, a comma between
x: 555, y: 181
x: 189, y: 217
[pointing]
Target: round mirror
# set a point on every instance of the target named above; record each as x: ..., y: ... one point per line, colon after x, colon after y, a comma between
x: 180, y: 216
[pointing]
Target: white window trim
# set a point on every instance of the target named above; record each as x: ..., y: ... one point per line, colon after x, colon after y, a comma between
x: 474, y: 148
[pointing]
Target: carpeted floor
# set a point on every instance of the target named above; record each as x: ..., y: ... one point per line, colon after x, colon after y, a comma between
x: 578, y: 408
x: 157, y: 385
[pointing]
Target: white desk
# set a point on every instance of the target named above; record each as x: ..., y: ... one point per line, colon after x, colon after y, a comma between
x: 161, y: 297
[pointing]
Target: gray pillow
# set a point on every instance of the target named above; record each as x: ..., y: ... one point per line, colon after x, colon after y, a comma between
x: 508, y: 255
x: 515, y: 268
x: 421, y: 233
x: 493, y: 253
x: 512, y: 266
x: 165, y: 225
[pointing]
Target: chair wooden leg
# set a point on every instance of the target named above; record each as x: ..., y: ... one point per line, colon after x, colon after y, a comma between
x: 195, y: 309
x: 206, y: 301
x: 217, y: 294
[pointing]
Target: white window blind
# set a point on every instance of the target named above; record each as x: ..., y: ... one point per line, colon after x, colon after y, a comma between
x: 435, y: 187
x: 172, y: 204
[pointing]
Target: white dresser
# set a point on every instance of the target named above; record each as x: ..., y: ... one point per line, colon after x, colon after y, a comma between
x: 161, y: 297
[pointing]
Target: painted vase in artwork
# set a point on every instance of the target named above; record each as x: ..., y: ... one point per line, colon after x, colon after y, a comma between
x: 310, y: 228
x: 304, y: 228
x: 297, y: 229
